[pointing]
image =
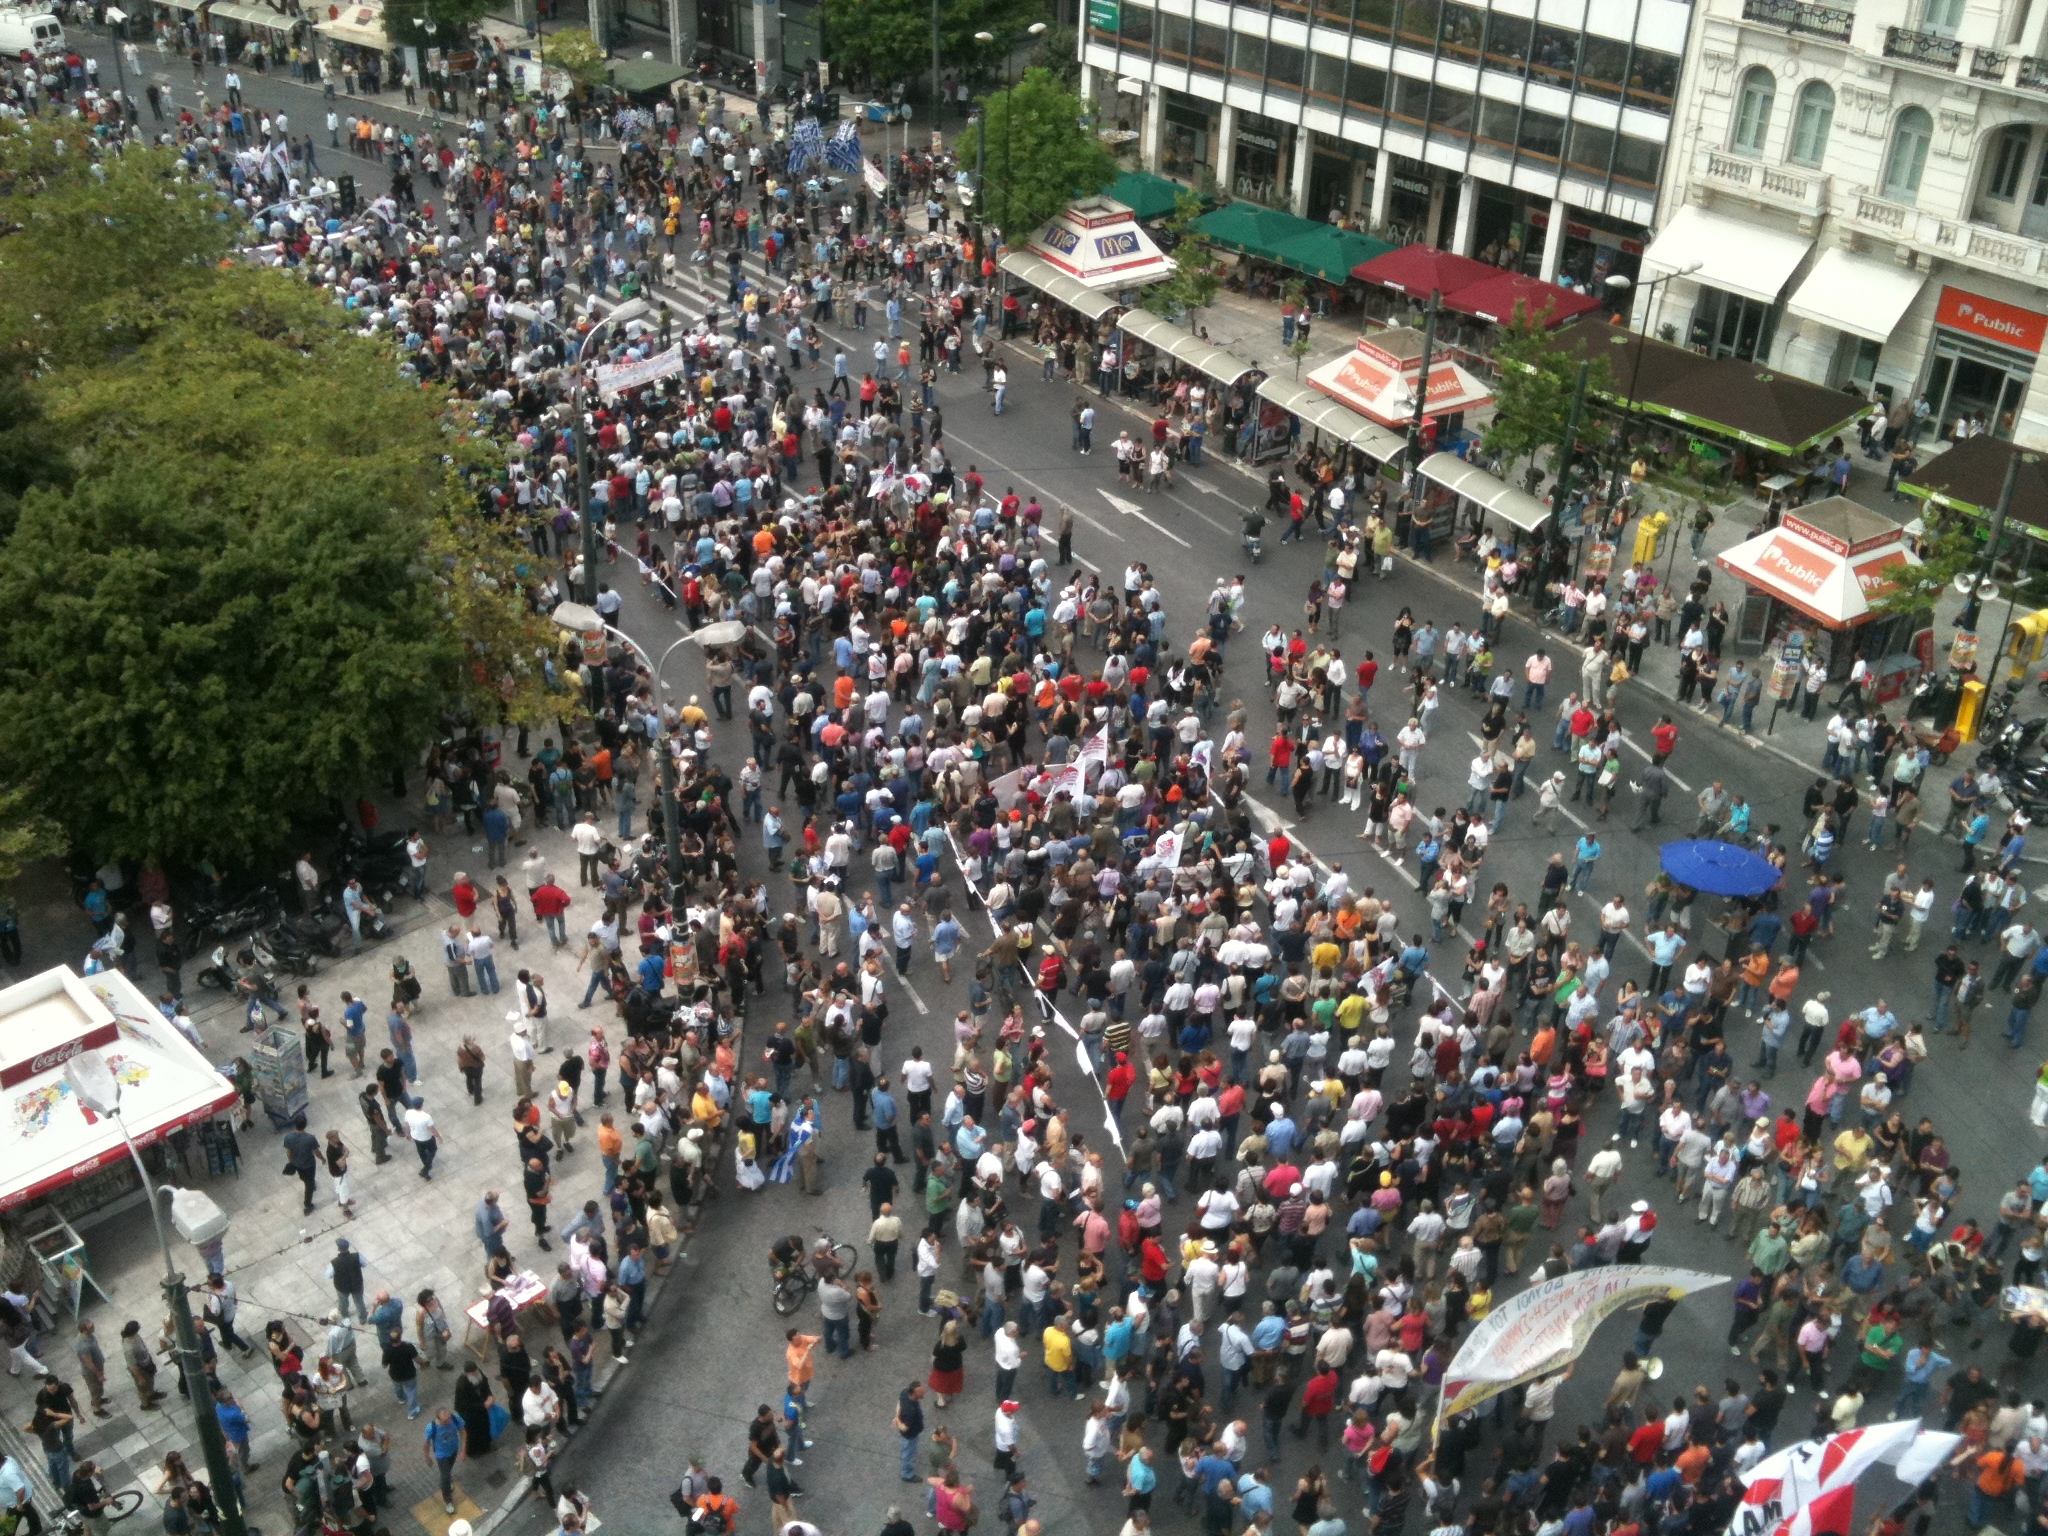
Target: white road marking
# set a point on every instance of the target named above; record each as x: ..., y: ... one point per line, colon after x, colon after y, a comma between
x: 916, y: 1001
x: 1130, y: 509
x: 1205, y: 517
x: 1636, y: 747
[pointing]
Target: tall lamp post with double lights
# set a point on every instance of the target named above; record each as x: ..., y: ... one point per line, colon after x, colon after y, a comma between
x: 199, y: 1221
x: 632, y: 309
x: 1036, y: 29
x: 1618, y: 283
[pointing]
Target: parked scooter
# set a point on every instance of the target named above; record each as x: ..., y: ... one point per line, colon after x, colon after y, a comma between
x: 276, y: 949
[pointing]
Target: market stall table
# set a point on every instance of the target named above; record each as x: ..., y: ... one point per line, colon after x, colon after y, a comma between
x: 525, y: 1290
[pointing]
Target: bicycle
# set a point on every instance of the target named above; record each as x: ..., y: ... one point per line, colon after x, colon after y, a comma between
x: 123, y: 1504
x: 794, y: 1283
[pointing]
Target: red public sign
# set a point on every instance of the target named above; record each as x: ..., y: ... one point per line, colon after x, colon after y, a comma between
x: 2006, y: 324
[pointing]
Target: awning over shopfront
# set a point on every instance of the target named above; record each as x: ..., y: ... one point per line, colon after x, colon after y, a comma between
x: 1830, y: 560
x: 1251, y: 229
x: 1056, y: 285
x: 1323, y: 414
x: 1183, y: 345
x: 360, y: 25
x: 1858, y: 294
x: 1377, y: 378
x: 249, y: 16
x: 1420, y: 270
x: 1097, y: 242
x: 1734, y: 255
x: 1724, y: 397
x: 1495, y: 299
x: 1147, y: 196
x: 1969, y: 477
x: 50, y: 1137
x: 1488, y: 490
x: 1327, y: 252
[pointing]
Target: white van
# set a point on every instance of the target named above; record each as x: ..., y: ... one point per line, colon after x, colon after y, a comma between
x: 29, y: 32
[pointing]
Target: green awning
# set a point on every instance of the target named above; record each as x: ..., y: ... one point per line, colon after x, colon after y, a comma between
x: 1251, y: 229
x: 639, y: 77
x: 1148, y: 196
x: 1330, y: 253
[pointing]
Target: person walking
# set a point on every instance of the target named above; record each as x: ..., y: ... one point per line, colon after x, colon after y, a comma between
x: 909, y: 1427
x: 426, y: 1139
x: 445, y: 1449
x: 455, y: 955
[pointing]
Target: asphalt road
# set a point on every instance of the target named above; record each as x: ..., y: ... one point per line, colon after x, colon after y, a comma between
x: 716, y: 1353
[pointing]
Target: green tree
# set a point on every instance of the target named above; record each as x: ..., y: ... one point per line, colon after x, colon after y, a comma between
x: 1194, y: 282
x: 435, y: 23
x: 25, y: 834
x: 579, y: 56
x: 1533, y: 392
x: 887, y: 41
x: 1954, y: 545
x: 1040, y: 157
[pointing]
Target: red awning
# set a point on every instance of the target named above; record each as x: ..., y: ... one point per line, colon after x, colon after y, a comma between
x: 1420, y: 270
x: 1494, y: 299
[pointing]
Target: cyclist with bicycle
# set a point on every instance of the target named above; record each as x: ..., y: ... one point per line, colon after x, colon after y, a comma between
x: 786, y: 1254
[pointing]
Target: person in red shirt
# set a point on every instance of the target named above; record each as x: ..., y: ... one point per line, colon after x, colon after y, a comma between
x: 1318, y: 1400
x: 550, y: 901
x: 465, y: 896
x: 1665, y: 735
x: 1368, y: 670
x: 1281, y: 754
x: 1648, y: 1438
x: 1122, y: 1078
x: 1152, y: 1262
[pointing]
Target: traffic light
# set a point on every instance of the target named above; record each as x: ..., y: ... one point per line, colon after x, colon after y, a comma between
x: 345, y: 185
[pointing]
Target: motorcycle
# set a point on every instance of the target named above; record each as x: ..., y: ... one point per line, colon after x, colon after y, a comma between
x: 243, y: 975
x: 275, y: 948
x: 229, y: 920
x: 1253, y: 545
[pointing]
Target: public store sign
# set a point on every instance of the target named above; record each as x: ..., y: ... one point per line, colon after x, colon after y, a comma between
x: 1989, y: 320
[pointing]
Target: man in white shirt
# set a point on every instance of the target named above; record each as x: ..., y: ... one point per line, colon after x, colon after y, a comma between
x: 426, y: 1140
x: 588, y: 838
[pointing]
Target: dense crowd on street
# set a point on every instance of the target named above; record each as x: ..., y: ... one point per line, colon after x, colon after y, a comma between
x: 1316, y: 1139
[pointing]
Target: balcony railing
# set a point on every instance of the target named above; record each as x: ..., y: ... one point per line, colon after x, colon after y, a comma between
x: 1801, y: 16
x: 1796, y: 191
x: 1929, y: 48
x: 2033, y: 74
x: 1955, y: 240
x: 1988, y: 64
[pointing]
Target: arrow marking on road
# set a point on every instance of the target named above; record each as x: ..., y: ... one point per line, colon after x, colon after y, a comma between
x: 1130, y: 509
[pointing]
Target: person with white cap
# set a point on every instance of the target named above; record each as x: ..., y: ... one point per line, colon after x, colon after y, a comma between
x: 522, y: 1055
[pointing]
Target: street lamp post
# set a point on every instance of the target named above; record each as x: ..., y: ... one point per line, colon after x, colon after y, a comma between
x: 1036, y: 29
x: 632, y: 309
x: 100, y: 1091
x: 578, y: 619
x: 1619, y: 283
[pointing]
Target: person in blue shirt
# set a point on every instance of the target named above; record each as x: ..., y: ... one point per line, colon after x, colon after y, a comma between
x: 354, y: 1011
x: 445, y: 1447
x: 1585, y: 857
x: 234, y: 1424
x: 1920, y: 1366
x: 651, y: 974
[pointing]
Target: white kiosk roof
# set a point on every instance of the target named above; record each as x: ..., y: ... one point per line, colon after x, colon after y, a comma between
x: 49, y: 1136
x: 1098, y: 243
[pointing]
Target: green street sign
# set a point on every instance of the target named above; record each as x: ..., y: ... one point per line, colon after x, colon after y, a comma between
x: 1105, y: 15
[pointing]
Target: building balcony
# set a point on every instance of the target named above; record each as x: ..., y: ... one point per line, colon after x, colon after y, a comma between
x: 1803, y: 193
x: 1929, y: 48
x: 1989, y: 64
x: 2033, y: 75
x: 1977, y: 246
x: 1831, y: 21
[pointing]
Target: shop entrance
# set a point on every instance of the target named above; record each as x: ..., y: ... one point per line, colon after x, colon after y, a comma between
x: 1973, y: 382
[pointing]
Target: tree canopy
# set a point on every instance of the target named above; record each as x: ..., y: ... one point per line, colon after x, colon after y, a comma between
x: 891, y: 40
x: 1533, y: 391
x: 452, y: 21
x: 1194, y: 281
x: 252, y: 580
x: 1040, y: 155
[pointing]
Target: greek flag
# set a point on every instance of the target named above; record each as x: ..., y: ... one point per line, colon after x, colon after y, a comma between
x: 843, y: 153
x: 806, y: 146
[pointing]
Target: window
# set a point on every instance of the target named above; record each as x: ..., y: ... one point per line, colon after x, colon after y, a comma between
x: 1507, y: 42
x: 1652, y: 79
x: 1134, y: 25
x: 1464, y: 31
x: 1911, y: 135
x: 1637, y: 160
x: 1335, y: 12
x: 2008, y: 162
x: 1591, y: 148
x: 1497, y: 121
x: 1247, y: 55
x: 1450, y: 112
x: 1328, y: 77
x: 1365, y: 88
x: 1810, y: 124
x: 1556, y: 54
x: 1541, y: 134
x: 1753, y: 105
x: 1728, y: 325
x: 1941, y: 16
x: 1211, y: 45
x: 1411, y: 99
x: 1419, y: 21
x: 1284, y: 66
x: 1603, y: 67
x: 1375, y: 18
x: 1176, y: 35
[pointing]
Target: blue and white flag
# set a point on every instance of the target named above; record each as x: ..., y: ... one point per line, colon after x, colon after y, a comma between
x: 843, y: 153
x: 806, y: 145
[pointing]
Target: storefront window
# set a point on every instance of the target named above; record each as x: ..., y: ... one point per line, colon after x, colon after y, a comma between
x: 1638, y: 160
x: 1464, y: 31
x: 1507, y: 42
x: 1541, y: 135
x: 1729, y: 325
x: 1450, y: 112
x: 1591, y: 148
x: 1603, y: 67
x: 1652, y: 79
x: 1556, y: 54
x: 1255, y: 172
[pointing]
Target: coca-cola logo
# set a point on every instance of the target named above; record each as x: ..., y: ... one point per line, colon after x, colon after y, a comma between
x: 50, y: 1060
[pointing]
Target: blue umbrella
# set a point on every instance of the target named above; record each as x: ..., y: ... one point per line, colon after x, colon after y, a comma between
x: 1719, y: 869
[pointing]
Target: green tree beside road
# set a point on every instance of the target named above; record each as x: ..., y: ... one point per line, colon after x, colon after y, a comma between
x: 1040, y: 156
